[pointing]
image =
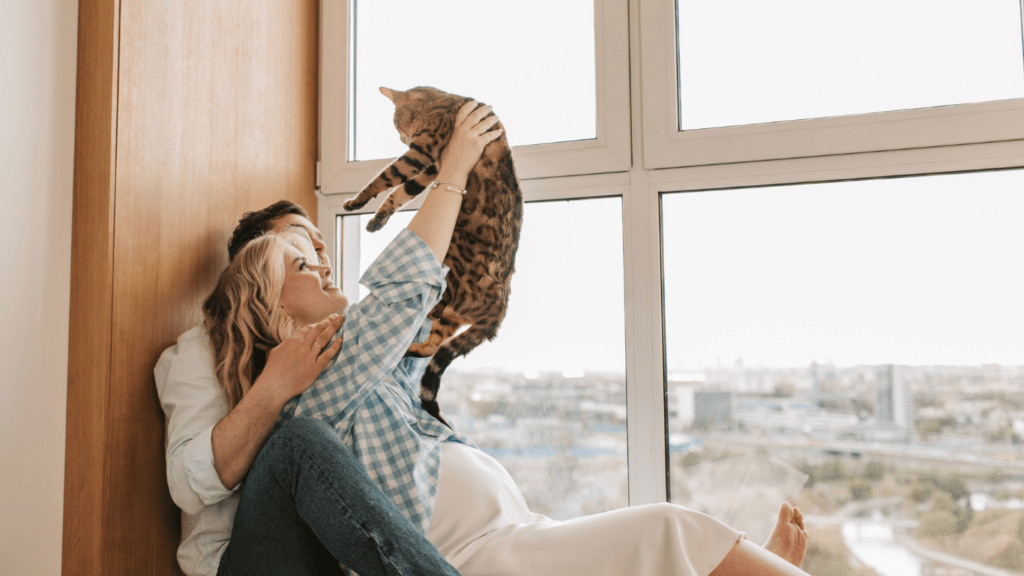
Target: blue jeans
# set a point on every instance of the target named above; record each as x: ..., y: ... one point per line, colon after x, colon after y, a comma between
x: 308, y: 504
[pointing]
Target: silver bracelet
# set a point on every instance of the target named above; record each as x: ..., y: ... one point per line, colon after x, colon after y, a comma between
x: 450, y: 187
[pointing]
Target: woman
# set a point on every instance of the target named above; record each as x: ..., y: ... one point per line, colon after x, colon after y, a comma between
x: 461, y: 499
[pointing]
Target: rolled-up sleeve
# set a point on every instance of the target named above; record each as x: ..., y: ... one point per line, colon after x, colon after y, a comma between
x: 405, y: 283
x: 406, y: 270
x: 193, y: 402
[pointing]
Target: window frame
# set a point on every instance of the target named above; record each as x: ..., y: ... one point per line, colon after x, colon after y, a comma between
x: 973, y: 137
x: 668, y: 147
x: 608, y: 152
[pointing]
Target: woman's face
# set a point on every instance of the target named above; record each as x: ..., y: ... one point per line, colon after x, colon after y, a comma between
x: 308, y: 294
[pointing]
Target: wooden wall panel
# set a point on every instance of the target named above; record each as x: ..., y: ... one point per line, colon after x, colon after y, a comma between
x: 91, y: 275
x: 216, y: 115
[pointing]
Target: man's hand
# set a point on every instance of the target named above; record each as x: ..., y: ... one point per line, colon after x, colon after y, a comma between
x: 294, y: 364
x: 291, y: 368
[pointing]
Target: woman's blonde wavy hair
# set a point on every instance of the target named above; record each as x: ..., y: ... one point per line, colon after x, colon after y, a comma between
x: 243, y: 315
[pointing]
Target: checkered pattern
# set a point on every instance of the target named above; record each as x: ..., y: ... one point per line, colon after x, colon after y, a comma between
x: 370, y: 393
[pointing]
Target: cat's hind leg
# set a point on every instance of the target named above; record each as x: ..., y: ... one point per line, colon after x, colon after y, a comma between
x: 446, y: 353
x: 400, y: 197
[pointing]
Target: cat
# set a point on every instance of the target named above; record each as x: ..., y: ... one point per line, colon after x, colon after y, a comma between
x: 482, y: 252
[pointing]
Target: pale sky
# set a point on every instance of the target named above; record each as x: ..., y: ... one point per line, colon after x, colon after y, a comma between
x: 926, y: 270
x: 750, y: 61
x: 497, y: 52
x: 566, y: 308
x: 917, y: 270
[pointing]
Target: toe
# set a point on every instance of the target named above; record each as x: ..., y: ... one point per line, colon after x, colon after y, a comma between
x: 785, y: 512
x: 798, y: 518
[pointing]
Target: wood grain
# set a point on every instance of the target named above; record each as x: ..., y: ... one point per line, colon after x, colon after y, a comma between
x: 215, y: 115
x: 91, y: 288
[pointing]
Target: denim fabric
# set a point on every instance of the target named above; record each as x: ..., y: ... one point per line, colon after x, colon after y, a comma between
x: 308, y: 504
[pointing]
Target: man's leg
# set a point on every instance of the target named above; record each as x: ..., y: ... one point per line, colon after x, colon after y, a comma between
x: 307, y: 503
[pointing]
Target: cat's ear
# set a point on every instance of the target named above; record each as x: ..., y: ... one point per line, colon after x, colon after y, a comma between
x: 391, y: 94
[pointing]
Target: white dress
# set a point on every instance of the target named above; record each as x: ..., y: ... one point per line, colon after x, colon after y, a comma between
x: 482, y: 526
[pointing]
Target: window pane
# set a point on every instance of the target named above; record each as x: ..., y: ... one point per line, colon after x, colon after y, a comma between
x: 533, y: 60
x: 749, y: 61
x: 547, y: 397
x: 867, y: 334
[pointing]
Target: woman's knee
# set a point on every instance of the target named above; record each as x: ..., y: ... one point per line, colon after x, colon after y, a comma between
x: 666, y: 518
x: 304, y: 439
x: 306, y: 430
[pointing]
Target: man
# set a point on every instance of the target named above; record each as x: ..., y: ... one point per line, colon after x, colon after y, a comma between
x: 285, y: 518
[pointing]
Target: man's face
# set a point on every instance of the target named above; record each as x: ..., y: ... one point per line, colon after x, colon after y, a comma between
x: 299, y: 224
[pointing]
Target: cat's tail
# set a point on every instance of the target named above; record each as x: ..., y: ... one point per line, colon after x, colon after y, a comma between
x: 446, y: 353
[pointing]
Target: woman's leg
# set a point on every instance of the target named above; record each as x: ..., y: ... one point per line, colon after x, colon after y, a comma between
x: 654, y: 539
x: 307, y: 503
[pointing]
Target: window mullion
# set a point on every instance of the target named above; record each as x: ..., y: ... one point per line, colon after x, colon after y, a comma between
x: 645, y: 388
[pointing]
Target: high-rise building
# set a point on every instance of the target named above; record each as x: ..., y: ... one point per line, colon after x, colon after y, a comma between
x: 712, y: 409
x: 893, y: 403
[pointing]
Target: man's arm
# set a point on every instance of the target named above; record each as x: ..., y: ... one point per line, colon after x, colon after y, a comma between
x: 291, y: 368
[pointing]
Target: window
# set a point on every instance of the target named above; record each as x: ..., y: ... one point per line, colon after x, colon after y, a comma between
x: 752, y: 62
x: 570, y: 112
x: 868, y: 334
x: 546, y: 99
x: 547, y: 398
x: 674, y: 113
x: 797, y: 79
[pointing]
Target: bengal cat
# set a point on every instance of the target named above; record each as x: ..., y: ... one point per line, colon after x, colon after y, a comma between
x: 483, y: 247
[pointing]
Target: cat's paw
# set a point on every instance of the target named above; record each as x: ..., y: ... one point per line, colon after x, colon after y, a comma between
x: 353, y: 205
x: 420, y: 350
x: 376, y: 223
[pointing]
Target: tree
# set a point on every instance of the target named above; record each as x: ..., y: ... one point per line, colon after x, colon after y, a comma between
x: 811, y: 471
x: 943, y: 502
x: 954, y: 486
x: 920, y: 491
x: 938, y: 523
x: 860, y: 489
x: 832, y: 471
x: 874, y: 471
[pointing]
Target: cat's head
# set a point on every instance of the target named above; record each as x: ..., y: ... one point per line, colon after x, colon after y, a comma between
x: 417, y: 107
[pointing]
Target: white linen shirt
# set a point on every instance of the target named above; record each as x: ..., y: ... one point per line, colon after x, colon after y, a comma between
x: 193, y: 402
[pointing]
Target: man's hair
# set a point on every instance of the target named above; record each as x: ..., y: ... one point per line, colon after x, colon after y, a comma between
x: 257, y: 223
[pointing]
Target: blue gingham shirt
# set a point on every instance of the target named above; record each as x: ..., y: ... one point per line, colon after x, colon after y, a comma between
x: 369, y: 393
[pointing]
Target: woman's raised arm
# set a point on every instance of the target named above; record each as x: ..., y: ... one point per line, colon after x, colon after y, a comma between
x: 435, y: 220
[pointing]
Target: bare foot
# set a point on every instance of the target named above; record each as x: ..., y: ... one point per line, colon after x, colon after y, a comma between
x: 788, y: 539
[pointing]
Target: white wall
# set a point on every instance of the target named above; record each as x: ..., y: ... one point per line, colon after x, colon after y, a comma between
x: 38, y: 47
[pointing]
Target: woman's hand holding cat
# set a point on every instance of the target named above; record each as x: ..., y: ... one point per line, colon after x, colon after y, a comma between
x: 293, y: 364
x: 471, y: 134
x: 435, y: 220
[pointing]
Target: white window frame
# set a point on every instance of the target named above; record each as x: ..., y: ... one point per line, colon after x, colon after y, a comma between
x: 648, y: 160
x: 608, y: 152
x: 668, y: 147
